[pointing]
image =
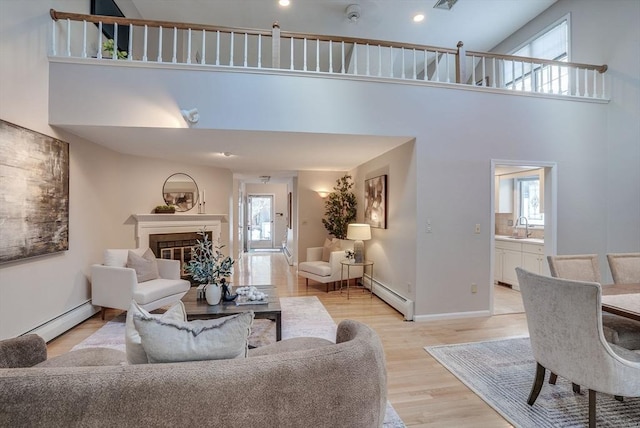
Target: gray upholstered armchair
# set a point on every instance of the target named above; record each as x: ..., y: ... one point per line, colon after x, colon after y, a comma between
x: 618, y: 330
x: 565, y: 326
x: 625, y: 267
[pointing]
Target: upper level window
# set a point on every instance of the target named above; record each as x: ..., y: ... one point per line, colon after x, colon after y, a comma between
x: 552, y: 44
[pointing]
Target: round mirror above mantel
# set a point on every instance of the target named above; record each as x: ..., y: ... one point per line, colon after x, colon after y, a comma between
x: 181, y: 191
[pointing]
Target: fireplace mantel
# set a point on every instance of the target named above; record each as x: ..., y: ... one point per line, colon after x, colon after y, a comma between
x: 149, y: 224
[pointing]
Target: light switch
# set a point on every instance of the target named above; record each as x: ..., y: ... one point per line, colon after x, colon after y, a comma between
x: 477, y: 228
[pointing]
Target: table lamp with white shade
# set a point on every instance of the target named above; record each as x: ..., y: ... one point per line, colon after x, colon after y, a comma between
x: 358, y: 232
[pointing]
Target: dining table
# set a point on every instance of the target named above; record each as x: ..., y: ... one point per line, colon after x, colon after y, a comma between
x: 622, y: 300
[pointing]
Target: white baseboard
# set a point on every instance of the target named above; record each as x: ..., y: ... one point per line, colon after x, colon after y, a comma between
x: 392, y: 298
x: 55, y: 327
x: 451, y: 316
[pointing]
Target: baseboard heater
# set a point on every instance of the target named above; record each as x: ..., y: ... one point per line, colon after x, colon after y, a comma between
x: 64, y: 322
x: 392, y: 298
x: 287, y: 255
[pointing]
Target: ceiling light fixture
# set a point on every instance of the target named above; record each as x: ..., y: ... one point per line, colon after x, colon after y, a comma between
x: 444, y: 4
x: 191, y: 116
x: 353, y: 13
x: 284, y: 2
x: 265, y: 178
x: 418, y: 17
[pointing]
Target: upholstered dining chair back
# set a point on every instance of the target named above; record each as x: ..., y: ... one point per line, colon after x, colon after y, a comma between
x: 565, y: 326
x: 579, y: 267
x: 625, y: 267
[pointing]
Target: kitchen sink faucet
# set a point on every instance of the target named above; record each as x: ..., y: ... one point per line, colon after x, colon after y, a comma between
x: 526, y: 225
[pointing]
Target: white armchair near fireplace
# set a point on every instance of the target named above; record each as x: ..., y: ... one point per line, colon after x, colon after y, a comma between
x: 114, y: 285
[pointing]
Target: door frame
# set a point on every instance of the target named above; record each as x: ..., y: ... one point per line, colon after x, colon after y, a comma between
x: 550, y: 211
x: 248, y: 218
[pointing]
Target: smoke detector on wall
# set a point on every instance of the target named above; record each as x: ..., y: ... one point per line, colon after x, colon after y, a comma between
x: 353, y: 12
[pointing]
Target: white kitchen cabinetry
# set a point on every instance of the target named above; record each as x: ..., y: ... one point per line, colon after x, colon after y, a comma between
x: 503, y: 195
x: 510, y: 254
x: 497, y: 263
x: 533, y: 258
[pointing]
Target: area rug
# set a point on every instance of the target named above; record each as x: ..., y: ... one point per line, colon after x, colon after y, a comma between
x: 301, y: 317
x: 501, y: 372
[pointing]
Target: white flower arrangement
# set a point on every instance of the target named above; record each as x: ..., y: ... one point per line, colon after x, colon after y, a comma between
x: 351, y: 255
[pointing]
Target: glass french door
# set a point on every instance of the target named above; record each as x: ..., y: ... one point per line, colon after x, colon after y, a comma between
x: 260, y: 221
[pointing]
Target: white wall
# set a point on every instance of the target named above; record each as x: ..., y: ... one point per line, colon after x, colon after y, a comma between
x: 604, y: 33
x: 456, y: 132
x: 393, y: 250
x: 105, y: 187
x: 311, y: 231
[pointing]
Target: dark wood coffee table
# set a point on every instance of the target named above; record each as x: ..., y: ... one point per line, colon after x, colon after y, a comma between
x: 200, y: 310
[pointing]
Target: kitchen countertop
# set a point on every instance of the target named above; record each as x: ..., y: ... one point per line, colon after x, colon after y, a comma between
x: 523, y: 240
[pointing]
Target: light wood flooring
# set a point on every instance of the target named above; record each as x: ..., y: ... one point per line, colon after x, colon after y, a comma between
x: 423, y: 392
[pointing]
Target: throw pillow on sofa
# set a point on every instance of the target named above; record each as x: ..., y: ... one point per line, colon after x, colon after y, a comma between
x: 330, y: 245
x: 133, y: 343
x: 146, y: 267
x: 167, y: 341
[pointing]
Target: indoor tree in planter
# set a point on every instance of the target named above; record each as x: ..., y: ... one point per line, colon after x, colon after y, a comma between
x: 209, y: 266
x: 340, y: 208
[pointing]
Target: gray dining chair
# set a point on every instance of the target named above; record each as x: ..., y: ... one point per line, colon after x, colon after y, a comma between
x: 618, y: 330
x: 625, y: 267
x: 565, y: 327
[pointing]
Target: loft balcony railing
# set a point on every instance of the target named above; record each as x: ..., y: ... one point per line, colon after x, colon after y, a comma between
x: 82, y: 36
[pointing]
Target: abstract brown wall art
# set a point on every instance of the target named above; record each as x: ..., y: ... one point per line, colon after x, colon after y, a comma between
x: 34, y: 193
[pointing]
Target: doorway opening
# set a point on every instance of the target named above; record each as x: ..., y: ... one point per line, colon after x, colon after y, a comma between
x: 523, y: 226
x: 260, y: 213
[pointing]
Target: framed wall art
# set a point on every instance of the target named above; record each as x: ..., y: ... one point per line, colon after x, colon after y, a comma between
x: 375, y: 201
x: 34, y: 193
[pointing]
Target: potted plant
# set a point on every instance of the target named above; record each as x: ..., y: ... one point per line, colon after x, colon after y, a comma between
x: 165, y: 209
x: 340, y: 208
x: 109, y: 47
x: 209, y: 266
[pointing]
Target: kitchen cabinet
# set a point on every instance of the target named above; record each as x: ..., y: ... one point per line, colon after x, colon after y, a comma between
x: 512, y: 260
x: 533, y: 259
x: 497, y: 263
x: 511, y: 253
x: 503, y: 194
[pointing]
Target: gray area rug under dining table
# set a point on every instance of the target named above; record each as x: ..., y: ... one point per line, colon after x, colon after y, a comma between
x: 501, y: 372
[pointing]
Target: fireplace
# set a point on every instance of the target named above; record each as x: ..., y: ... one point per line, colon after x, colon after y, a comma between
x: 175, y: 246
x: 175, y: 234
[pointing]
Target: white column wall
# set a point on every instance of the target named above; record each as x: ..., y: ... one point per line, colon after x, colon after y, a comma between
x: 105, y: 187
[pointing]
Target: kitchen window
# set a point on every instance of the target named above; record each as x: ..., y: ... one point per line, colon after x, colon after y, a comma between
x: 552, y: 44
x: 529, y: 200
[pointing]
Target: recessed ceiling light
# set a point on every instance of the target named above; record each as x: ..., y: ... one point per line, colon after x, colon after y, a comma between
x: 418, y: 17
x: 283, y: 2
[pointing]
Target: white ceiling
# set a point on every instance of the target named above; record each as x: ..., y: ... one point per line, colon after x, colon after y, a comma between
x: 480, y: 24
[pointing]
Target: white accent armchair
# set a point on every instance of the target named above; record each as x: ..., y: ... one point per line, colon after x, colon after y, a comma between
x: 113, y: 285
x: 565, y: 326
x: 327, y: 272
